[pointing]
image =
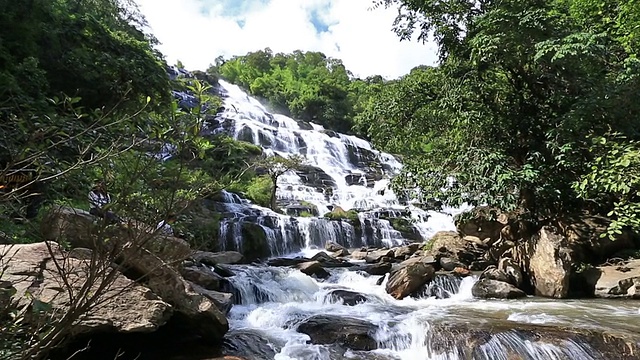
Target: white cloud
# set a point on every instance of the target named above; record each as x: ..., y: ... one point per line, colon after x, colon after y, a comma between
x: 198, y: 31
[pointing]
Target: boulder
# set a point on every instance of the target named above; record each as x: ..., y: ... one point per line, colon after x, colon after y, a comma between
x: 513, y: 272
x: 448, y: 264
x: 584, y: 236
x: 202, y: 276
x: 550, y: 264
x: 408, y: 279
x: 420, y: 259
x: 211, y: 259
x: 313, y: 268
x: 462, y: 272
x: 127, y: 307
x: 340, y: 253
x: 287, y: 261
x: 482, y: 222
x: 493, y: 273
x: 329, y: 261
x: 359, y: 255
x: 378, y: 255
x: 380, y: 268
x: 347, y: 297
x: 199, y: 314
x: 224, y: 301
x: 488, y: 288
x: 404, y: 252
x: 352, y: 333
x: 333, y: 247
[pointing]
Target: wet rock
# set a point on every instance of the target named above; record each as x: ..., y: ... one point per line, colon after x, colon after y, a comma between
x: 329, y: 261
x: 420, y: 259
x: 350, y: 298
x: 333, y: 247
x: 352, y: 333
x: 224, y: 257
x: 493, y: 273
x: 340, y: 253
x: 550, y: 264
x: 255, y: 244
x: 513, y: 272
x: 359, y: 255
x: 479, y: 265
x: 376, y: 256
x: 408, y: 279
x: 404, y: 252
x: 488, y: 288
x: 248, y: 344
x: 380, y: 268
x: 202, y: 276
x: 313, y: 268
x: 448, y: 264
x: 223, y: 301
x: 223, y: 271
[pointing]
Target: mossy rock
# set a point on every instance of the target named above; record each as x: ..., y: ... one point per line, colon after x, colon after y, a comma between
x: 405, y: 228
x: 339, y: 213
x: 255, y: 244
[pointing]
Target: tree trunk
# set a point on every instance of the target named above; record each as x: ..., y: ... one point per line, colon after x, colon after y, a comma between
x: 272, y: 202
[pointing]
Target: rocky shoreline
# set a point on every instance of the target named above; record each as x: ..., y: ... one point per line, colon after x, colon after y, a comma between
x: 170, y: 289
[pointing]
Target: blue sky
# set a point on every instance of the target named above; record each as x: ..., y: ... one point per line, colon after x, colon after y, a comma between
x: 198, y: 31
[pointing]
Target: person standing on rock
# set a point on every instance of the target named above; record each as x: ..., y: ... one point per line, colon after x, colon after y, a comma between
x: 164, y: 226
x: 99, y: 201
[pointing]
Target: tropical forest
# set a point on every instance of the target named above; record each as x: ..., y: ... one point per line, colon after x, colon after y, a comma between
x: 280, y: 205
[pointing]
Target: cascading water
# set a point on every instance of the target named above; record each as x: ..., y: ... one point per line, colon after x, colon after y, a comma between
x: 339, y: 171
x: 446, y: 323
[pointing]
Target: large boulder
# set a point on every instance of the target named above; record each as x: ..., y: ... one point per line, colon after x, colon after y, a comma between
x: 202, y: 276
x: 224, y: 301
x: 380, y: 268
x: 123, y: 307
x: 407, y: 279
x: 488, y: 288
x: 347, y: 297
x: 378, y: 255
x: 313, y: 268
x: 550, y: 263
x: 352, y: 333
x: 223, y: 257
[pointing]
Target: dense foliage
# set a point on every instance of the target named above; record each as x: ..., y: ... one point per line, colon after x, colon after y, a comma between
x: 306, y: 85
x: 522, y: 90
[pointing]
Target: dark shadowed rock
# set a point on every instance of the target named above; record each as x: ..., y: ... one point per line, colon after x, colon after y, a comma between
x: 488, y: 288
x: 352, y: 333
x: 347, y: 297
x: 287, y: 261
x: 380, y: 268
x: 313, y: 268
x: 448, y: 264
x: 224, y: 257
x: 202, y: 276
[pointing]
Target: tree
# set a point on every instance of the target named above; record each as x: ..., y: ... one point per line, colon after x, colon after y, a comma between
x: 509, y: 113
x: 276, y: 166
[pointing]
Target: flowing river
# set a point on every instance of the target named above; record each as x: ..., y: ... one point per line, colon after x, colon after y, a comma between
x: 272, y: 303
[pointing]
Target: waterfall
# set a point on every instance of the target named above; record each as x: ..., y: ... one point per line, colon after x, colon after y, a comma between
x: 340, y: 171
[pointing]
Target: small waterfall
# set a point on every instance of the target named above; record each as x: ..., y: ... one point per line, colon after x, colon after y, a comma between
x: 443, y: 286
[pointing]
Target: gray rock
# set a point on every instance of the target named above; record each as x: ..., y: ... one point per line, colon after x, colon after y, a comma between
x: 224, y: 257
x: 448, y: 264
x: 313, y: 268
x: 350, y: 298
x: 352, y: 333
x: 202, y: 276
x: 377, y: 255
x: 488, y: 288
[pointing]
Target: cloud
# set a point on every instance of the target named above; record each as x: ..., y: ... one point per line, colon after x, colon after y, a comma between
x: 197, y: 31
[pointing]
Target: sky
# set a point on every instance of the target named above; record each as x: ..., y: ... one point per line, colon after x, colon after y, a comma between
x: 197, y: 31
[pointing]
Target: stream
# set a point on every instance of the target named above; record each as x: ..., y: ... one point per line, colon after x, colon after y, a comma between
x: 281, y: 313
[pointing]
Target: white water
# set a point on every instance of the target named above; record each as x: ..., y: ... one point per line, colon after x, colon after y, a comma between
x: 275, y: 300
x: 347, y: 173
